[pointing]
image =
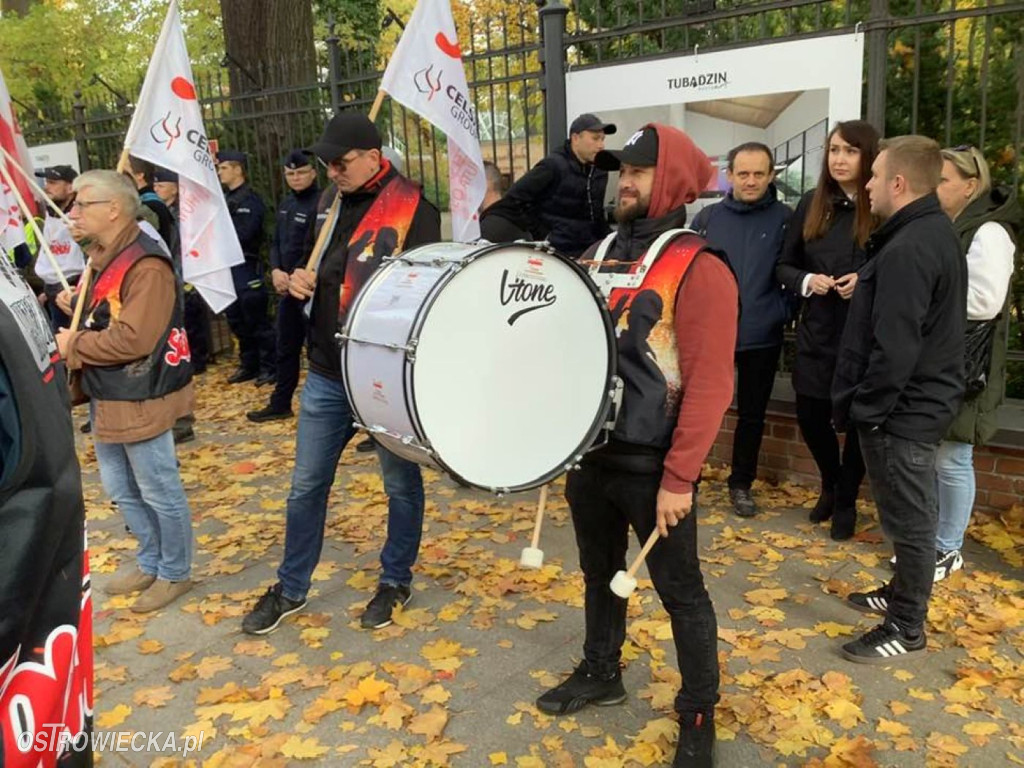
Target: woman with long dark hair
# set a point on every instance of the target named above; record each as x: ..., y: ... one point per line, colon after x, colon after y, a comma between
x: 823, y: 250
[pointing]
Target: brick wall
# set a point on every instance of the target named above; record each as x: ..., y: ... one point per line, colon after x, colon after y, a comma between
x: 784, y: 457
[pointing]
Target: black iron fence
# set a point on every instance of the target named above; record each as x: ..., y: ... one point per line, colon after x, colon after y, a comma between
x: 951, y: 69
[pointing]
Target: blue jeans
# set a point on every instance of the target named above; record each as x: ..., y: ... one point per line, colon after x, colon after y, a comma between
x: 954, y: 467
x: 142, y: 479
x: 325, y: 427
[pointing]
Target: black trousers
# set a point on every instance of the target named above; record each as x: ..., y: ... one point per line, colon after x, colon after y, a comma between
x: 197, y: 328
x: 605, y: 503
x: 840, y: 474
x: 250, y: 323
x: 291, y: 334
x: 755, y: 375
x: 904, y: 485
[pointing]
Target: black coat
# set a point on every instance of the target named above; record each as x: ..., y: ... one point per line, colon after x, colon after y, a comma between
x: 295, y: 218
x: 822, y: 318
x: 498, y: 225
x: 562, y: 201
x: 901, y: 360
x: 751, y: 234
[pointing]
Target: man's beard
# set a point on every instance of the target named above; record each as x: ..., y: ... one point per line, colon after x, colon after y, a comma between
x: 631, y: 213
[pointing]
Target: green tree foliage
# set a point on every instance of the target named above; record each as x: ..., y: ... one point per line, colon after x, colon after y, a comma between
x: 58, y: 46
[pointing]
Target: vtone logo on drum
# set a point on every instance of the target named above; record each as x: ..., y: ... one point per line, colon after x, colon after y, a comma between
x: 520, y: 291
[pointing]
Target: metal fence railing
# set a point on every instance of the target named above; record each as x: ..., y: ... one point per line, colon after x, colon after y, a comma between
x: 950, y: 69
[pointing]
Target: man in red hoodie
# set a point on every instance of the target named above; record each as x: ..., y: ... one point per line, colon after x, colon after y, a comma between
x: 676, y: 336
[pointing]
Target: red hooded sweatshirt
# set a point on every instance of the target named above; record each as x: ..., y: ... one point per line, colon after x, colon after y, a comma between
x: 706, y: 319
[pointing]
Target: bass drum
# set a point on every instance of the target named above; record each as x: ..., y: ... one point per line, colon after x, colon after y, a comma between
x: 495, y: 363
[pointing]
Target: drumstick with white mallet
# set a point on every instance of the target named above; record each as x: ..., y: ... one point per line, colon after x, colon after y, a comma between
x: 533, y: 556
x: 623, y: 583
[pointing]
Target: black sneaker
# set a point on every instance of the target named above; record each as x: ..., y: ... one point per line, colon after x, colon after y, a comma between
x: 875, y: 601
x: 378, y: 611
x: 367, y: 446
x: 270, y: 413
x: 824, y: 507
x: 241, y: 375
x: 86, y: 428
x: 947, y: 562
x: 883, y: 645
x: 696, y: 746
x: 266, y: 378
x: 580, y: 689
x: 742, y: 502
x: 269, y: 610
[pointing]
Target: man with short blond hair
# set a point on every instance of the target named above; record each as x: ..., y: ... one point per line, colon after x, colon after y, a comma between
x: 135, y: 364
x: 899, y: 380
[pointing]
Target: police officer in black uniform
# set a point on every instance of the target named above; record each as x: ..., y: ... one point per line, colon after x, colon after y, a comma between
x: 288, y: 250
x: 247, y: 317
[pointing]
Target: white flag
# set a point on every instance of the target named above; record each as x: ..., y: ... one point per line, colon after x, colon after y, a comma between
x: 425, y: 74
x: 167, y: 129
x: 13, y: 142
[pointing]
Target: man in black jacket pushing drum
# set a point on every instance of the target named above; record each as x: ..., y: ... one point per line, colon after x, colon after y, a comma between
x: 379, y: 213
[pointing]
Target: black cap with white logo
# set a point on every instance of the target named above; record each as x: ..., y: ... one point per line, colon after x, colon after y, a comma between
x: 641, y: 149
x: 58, y: 173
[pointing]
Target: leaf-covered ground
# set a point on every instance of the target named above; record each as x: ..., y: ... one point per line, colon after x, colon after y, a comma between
x: 453, y: 680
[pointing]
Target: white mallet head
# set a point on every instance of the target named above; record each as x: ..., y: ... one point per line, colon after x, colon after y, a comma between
x: 531, y: 557
x: 623, y: 584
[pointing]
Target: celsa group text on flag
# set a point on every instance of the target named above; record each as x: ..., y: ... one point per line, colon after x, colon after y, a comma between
x: 425, y: 74
x: 167, y: 129
x: 12, y: 141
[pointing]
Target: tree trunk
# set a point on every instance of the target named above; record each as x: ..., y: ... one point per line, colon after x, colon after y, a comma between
x: 270, y: 56
x: 269, y: 43
x: 17, y: 7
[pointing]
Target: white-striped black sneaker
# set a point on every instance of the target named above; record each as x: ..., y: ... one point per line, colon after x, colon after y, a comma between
x: 884, y: 644
x: 947, y: 562
x: 875, y: 601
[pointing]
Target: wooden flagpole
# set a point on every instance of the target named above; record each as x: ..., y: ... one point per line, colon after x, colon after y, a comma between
x: 26, y: 211
x: 38, y: 190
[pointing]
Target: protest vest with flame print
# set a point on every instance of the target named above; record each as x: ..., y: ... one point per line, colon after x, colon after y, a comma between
x: 648, y: 359
x: 168, y: 367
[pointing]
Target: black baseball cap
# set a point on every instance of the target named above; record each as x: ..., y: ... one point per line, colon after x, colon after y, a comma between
x: 641, y: 149
x: 589, y: 122
x: 297, y: 158
x: 165, y: 175
x: 344, y: 132
x: 58, y: 173
x: 233, y: 156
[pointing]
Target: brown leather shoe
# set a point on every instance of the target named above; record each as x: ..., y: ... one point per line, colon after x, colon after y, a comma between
x: 128, y: 581
x: 160, y: 594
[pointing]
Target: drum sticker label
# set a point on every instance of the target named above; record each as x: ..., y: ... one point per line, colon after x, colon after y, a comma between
x: 378, y: 392
x: 525, y: 293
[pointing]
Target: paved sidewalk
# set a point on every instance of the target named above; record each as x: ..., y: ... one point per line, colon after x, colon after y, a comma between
x: 453, y: 681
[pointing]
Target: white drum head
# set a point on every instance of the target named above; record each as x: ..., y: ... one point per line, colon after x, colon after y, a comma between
x: 512, y: 369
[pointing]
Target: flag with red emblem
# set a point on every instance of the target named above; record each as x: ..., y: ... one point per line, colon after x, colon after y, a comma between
x: 167, y: 129
x: 426, y: 75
